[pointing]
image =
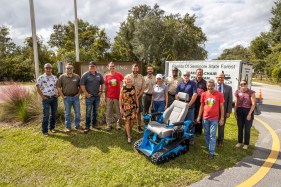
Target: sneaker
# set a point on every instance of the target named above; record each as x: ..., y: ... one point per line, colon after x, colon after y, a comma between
x: 96, y: 127
x: 118, y: 127
x: 86, y: 130
x: 53, y: 130
x: 238, y: 145
x: 67, y: 130
x: 211, y: 157
x: 140, y: 129
x: 108, y: 128
x: 46, y: 134
x: 245, y: 147
x: 79, y: 128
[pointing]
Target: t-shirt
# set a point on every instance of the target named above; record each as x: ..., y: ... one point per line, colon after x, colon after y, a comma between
x: 47, y: 84
x: 92, y: 82
x: 113, y: 85
x: 212, y: 104
x: 159, y: 92
x: 69, y: 85
x: 244, y: 98
x: 201, y: 87
x: 189, y: 87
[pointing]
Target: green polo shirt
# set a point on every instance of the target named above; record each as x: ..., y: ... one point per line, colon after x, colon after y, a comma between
x: 69, y: 85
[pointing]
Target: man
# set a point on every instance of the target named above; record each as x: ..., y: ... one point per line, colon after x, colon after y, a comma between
x: 172, y: 82
x: 227, y: 93
x: 138, y: 83
x: 213, y: 114
x: 46, y: 88
x: 91, y: 84
x: 189, y: 87
x: 149, y: 80
x: 112, y: 90
x: 201, y: 87
x: 69, y: 90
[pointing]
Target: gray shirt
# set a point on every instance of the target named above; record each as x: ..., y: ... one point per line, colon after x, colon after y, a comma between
x: 69, y: 85
x: 92, y: 82
x: 159, y: 92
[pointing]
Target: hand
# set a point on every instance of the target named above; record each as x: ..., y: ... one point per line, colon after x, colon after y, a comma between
x: 227, y: 115
x: 88, y: 95
x: 43, y: 97
x: 121, y: 111
x: 198, y: 120
x: 235, y: 115
x: 221, y: 122
x: 249, y: 117
x: 137, y: 111
x: 166, y: 107
x: 100, y: 93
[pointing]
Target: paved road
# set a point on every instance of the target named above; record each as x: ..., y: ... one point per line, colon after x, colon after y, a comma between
x: 271, y: 115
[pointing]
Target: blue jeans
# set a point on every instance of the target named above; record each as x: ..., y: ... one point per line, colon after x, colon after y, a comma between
x: 68, y: 103
x: 210, y: 129
x: 158, y: 106
x: 92, y: 104
x: 49, y: 120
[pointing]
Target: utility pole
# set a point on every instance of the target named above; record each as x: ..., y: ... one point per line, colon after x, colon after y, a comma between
x: 76, y: 32
x: 34, y: 38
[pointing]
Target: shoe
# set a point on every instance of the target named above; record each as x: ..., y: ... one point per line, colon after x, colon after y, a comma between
x: 118, y: 127
x: 198, y: 134
x: 191, y: 142
x: 129, y: 140
x: 220, y: 144
x: 211, y: 157
x: 238, y: 145
x: 53, y: 130
x: 46, y: 134
x: 86, y: 130
x: 245, y: 147
x: 108, y: 128
x: 140, y: 129
x: 96, y: 127
x: 79, y: 128
x: 67, y: 130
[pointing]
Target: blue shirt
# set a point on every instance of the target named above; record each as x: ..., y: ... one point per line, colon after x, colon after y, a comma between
x: 190, y: 88
x: 92, y: 82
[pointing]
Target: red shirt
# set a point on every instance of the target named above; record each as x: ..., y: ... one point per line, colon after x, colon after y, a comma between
x: 113, y: 85
x: 244, y: 98
x: 212, y: 104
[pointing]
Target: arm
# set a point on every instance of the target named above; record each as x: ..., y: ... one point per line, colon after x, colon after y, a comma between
x: 83, y: 88
x: 253, y: 99
x: 40, y: 93
x: 229, y: 103
x: 221, y: 122
x: 137, y: 101
x: 121, y: 102
x: 193, y: 99
x: 166, y: 98
x: 60, y: 92
x: 200, y: 113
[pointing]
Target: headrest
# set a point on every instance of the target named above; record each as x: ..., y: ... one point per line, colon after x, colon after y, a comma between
x: 183, y: 96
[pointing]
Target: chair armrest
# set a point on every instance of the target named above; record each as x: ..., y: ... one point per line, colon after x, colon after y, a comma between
x: 180, y: 123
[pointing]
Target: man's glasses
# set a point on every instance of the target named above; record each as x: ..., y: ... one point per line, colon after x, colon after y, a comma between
x: 69, y: 68
x: 186, y: 75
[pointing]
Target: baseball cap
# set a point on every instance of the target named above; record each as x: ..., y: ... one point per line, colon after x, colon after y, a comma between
x: 48, y: 65
x: 92, y: 63
x: 159, y: 76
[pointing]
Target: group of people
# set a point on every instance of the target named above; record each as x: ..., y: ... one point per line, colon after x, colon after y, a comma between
x: 209, y: 104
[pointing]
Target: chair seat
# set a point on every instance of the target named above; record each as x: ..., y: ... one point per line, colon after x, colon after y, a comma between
x: 160, y: 129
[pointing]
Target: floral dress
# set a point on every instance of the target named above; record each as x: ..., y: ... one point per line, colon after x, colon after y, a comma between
x: 129, y: 103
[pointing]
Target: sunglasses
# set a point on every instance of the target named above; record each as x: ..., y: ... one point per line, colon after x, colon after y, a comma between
x: 242, y: 84
x: 186, y: 75
x: 69, y: 68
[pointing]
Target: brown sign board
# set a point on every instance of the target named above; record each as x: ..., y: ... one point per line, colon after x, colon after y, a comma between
x: 124, y: 67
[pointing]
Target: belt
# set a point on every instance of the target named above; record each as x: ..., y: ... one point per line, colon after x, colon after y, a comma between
x: 171, y: 94
x: 148, y: 94
x: 70, y: 95
x: 50, y: 97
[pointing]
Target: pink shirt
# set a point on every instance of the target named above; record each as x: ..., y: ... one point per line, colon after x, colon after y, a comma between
x: 244, y: 98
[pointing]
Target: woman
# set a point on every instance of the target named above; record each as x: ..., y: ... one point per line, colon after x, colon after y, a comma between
x: 244, y: 112
x: 159, y: 100
x: 129, y: 105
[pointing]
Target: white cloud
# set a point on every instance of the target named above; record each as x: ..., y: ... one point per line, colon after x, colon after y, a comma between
x: 226, y: 23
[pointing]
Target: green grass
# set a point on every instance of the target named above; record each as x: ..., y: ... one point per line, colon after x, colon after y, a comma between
x: 102, y: 158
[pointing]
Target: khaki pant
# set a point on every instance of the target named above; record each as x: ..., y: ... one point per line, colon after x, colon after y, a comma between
x: 109, y: 111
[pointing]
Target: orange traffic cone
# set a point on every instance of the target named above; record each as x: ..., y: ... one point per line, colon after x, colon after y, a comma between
x: 260, y: 95
x: 260, y: 99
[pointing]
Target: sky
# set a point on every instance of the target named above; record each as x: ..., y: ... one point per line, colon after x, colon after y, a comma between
x: 226, y: 23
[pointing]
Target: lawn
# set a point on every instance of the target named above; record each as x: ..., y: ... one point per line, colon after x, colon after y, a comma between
x: 102, y: 158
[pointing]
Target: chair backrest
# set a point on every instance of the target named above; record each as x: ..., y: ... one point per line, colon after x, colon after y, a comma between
x: 178, y: 109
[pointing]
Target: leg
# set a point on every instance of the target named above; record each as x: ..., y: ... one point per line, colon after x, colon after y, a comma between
x: 128, y: 129
x: 146, y: 103
x: 54, y: 108
x: 89, y: 106
x: 190, y: 116
x: 213, y: 132
x: 67, y: 111
x: 76, y: 106
x: 45, y: 120
x: 139, y: 115
x: 96, y: 104
x: 206, y: 126
x: 240, y: 123
x: 221, y: 133
x: 109, y: 112
x: 170, y: 99
x: 117, y: 110
x: 248, y: 125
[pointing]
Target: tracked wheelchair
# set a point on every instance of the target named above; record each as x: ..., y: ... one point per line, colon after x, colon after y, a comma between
x: 169, y: 136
